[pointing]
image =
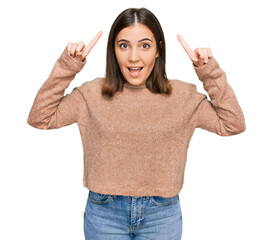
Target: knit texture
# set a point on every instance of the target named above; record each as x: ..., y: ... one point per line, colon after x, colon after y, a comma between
x: 136, y: 144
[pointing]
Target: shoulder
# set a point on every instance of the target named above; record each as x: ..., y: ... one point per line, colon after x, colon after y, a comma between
x: 90, y: 89
x: 181, y: 86
x: 180, y: 83
x: 90, y: 86
x: 186, y: 90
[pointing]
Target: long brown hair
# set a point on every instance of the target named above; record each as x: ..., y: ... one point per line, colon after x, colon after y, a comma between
x: 157, y: 82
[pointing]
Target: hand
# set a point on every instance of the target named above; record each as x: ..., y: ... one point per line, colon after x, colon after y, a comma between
x: 199, y: 56
x: 80, y: 51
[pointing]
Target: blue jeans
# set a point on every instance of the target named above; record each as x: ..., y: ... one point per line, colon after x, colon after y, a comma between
x: 117, y: 217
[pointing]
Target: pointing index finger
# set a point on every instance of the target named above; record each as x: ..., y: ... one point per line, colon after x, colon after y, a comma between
x: 92, y: 43
x: 186, y: 46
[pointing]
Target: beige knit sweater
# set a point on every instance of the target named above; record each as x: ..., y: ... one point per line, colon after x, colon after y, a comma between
x: 136, y: 144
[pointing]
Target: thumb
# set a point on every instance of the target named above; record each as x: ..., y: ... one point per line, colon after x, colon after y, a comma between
x: 200, y: 61
x: 79, y: 56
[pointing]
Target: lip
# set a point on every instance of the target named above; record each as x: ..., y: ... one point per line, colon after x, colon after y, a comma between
x: 132, y: 74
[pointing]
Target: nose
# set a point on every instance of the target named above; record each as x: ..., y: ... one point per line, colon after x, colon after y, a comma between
x: 133, y: 55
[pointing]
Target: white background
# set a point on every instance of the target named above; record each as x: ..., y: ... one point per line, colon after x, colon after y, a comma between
x: 227, y: 191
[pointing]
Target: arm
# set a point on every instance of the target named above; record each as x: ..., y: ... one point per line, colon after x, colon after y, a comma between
x: 222, y: 115
x: 51, y: 109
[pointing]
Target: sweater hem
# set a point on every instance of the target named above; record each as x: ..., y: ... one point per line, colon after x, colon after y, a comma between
x: 136, y: 193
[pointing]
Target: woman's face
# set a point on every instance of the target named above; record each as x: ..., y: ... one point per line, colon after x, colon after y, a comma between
x: 135, y: 48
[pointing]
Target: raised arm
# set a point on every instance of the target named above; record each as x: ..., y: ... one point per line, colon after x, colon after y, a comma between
x: 223, y: 114
x: 51, y: 109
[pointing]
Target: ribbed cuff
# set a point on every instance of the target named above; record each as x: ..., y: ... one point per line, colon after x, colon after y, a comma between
x: 73, y: 64
x: 204, y: 71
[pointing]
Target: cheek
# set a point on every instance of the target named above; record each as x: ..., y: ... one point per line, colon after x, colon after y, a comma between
x: 151, y: 62
x: 120, y: 59
x: 150, y: 59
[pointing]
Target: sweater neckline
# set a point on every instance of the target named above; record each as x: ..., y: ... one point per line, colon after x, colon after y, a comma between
x: 139, y: 86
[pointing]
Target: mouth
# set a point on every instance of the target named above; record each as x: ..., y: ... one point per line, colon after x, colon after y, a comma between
x: 134, y: 71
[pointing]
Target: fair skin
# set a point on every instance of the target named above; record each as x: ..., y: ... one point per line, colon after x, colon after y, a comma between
x: 199, y: 56
x: 135, y: 46
x: 79, y: 51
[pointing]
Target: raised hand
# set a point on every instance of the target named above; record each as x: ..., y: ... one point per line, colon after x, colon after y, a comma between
x: 79, y: 51
x: 199, y: 56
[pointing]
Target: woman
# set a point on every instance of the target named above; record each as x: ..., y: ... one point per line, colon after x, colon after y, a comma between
x: 136, y: 126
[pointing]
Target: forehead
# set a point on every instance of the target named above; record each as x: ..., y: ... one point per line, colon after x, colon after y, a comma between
x: 135, y: 32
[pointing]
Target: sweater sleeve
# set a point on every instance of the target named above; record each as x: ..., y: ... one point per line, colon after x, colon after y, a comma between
x: 222, y: 114
x: 51, y: 109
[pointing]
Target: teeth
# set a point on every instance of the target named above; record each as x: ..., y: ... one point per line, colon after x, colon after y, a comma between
x: 135, y: 68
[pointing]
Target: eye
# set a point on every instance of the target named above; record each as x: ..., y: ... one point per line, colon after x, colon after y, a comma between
x: 146, y: 45
x: 123, y: 44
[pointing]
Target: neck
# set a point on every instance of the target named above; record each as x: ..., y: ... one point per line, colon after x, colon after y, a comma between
x: 129, y: 85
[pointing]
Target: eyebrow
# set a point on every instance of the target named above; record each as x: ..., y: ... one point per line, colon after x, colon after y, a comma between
x: 143, y: 39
